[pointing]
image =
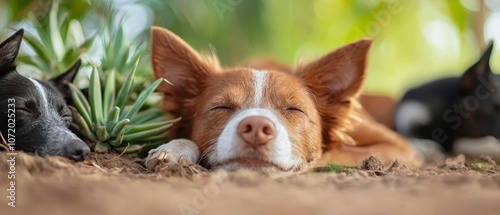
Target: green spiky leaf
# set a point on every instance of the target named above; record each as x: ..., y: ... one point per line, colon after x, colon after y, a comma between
x: 125, y: 90
x: 95, y: 97
x: 109, y: 93
x: 142, y: 98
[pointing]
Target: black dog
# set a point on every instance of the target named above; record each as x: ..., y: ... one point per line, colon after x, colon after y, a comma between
x: 34, y: 116
x: 451, y: 108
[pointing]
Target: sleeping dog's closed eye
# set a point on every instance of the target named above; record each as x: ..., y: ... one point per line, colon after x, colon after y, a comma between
x: 29, y: 106
x: 42, y: 117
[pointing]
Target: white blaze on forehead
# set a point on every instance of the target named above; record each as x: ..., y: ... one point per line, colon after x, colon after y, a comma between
x: 47, y: 110
x: 44, y: 106
x: 229, y: 144
x: 259, y: 77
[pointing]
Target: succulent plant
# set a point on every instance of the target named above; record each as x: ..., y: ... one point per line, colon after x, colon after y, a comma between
x: 108, y: 119
x: 56, y: 45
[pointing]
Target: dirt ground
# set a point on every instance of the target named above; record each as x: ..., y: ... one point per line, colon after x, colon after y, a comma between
x: 109, y: 185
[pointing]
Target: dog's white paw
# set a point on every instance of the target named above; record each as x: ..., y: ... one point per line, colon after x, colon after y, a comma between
x: 182, y: 151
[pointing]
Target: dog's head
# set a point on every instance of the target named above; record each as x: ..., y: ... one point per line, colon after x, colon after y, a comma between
x: 480, y: 98
x: 266, y: 120
x: 35, y: 111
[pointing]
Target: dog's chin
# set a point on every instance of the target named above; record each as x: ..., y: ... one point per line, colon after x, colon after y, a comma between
x: 257, y: 165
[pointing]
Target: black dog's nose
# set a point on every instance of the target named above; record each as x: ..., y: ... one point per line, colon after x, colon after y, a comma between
x: 77, y: 150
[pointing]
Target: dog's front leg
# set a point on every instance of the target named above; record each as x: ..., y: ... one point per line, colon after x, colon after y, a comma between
x: 181, y: 151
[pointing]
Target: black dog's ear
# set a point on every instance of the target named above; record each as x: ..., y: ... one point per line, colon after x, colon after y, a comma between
x: 479, y: 72
x: 61, y: 81
x: 68, y: 76
x: 8, y: 52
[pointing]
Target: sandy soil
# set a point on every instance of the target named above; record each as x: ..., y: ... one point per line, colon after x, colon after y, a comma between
x: 104, y: 185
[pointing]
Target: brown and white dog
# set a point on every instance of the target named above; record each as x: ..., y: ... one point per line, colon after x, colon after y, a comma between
x: 269, y: 120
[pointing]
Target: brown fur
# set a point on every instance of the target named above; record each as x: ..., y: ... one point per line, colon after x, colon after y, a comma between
x: 380, y: 107
x: 332, y: 123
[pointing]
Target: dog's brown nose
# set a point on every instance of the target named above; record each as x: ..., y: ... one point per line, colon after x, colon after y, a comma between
x: 256, y: 130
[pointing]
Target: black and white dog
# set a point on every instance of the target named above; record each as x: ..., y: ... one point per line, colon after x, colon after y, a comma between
x: 454, y: 108
x: 34, y: 112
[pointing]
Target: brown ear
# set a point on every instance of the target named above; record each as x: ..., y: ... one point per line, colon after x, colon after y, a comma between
x: 336, y: 80
x: 340, y: 73
x: 174, y: 60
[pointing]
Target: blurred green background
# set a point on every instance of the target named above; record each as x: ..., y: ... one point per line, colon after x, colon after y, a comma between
x: 414, y: 41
